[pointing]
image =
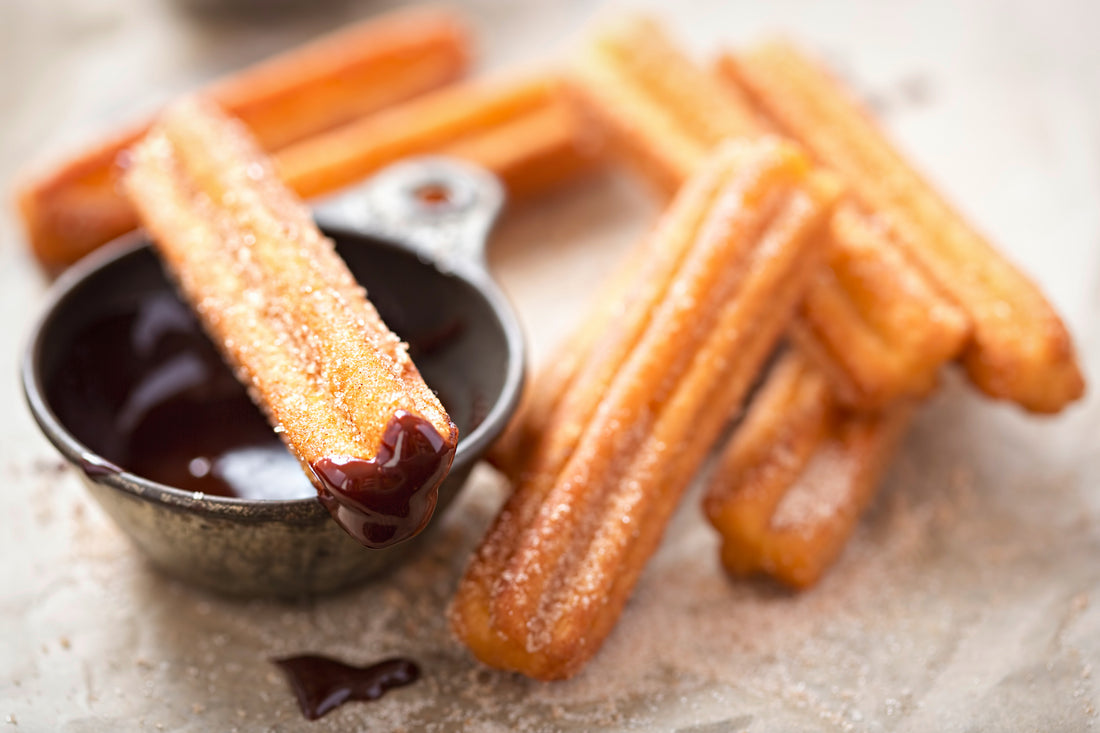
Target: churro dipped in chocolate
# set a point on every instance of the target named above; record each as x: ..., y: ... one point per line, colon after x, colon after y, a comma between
x: 797, y: 474
x: 1019, y: 348
x: 75, y: 206
x: 714, y: 290
x: 289, y: 317
x: 862, y: 317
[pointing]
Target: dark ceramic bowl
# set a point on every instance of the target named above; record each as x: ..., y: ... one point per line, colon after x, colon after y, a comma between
x: 414, y: 237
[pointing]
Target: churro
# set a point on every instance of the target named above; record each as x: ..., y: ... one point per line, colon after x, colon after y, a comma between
x: 536, y: 152
x: 659, y: 113
x: 871, y: 321
x: 1019, y: 348
x: 719, y: 279
x: 541, y: 402
x: 520, y: 129
x: 289, y: 317
x: 797, y: 474
x: 73, y: 207
x: 662, y: 114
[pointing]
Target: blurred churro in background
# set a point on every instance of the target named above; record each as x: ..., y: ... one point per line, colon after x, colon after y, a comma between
x: 75, y: 205
x: 521, y: 129
x: 870, y: 319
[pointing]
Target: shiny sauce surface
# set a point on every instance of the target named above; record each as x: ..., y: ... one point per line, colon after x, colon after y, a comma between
x: 142, y: 386
x: 322, y: 684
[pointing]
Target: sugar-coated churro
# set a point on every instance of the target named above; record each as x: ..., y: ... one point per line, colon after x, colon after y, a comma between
x: 870, y: 320
x: 74, y: 207
x: 721, y: 275
x: 541, y: 402
x: 282, y: 306
x: 797, y: 474
x: 877, y: 327
x: 1019, y: 349
x: 661, y: 114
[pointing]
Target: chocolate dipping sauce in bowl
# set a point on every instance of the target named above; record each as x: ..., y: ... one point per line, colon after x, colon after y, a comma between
x: 122, y: 380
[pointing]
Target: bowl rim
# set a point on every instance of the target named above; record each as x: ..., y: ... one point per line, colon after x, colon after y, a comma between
x: 469, y: 449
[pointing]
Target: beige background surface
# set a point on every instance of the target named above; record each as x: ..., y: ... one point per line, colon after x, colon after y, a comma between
x: 969, y: 599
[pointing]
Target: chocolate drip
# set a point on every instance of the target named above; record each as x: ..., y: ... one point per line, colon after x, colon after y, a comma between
x: 322, y: 684
x: 389, y: 498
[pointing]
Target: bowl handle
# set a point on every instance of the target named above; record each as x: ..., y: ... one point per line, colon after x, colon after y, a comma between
x: 441, y: 208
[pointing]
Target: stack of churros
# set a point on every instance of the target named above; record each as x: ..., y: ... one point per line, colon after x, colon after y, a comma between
x: 877, y: 326
x: 1018, y: 348
x: 793, y: 227
x: 876, y: 323
x: 904, y: 288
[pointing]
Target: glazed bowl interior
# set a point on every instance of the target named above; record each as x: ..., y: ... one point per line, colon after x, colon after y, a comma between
x: 462, y: 337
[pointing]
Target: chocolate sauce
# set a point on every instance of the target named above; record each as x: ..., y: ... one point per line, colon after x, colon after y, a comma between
x: 427, y: 343
x: 142, y: 387
x: 322, y: 684
x: 392, y: 496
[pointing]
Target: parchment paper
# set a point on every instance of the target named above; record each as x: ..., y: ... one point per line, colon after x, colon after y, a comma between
x: 968, y: 599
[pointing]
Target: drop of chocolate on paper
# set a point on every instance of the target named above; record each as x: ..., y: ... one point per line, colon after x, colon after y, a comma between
x: 322, y: 684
